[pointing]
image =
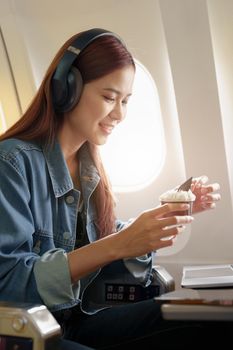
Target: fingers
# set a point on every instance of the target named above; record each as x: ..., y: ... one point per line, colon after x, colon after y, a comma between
x: 211, y: 197
x: 208, y: 199
x: 199, y: 181
x: 200, y: 189
x: 210, y: 188
x: 171, y: 232
x: 168, y: 227
x: 206, y: 205
x: 152, y: 230
x: 158, y: 218
x: 174, y: 221
x: 164, y: 209
x: 164, y: 243
x: 168, y: 236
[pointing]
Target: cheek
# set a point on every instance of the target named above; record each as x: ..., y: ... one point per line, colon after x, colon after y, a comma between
x: 91, y: 109
x: 97, y: 111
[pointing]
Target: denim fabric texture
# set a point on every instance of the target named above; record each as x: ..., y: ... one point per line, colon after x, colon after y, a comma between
x: 39, y: 207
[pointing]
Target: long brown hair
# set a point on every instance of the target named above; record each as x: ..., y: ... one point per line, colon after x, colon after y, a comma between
x: 40, y: 121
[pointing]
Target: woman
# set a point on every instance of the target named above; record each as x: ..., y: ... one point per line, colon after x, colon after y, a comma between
x: 59, y: 234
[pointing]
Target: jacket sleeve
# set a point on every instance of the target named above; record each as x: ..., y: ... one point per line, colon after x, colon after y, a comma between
x: 25, y: 276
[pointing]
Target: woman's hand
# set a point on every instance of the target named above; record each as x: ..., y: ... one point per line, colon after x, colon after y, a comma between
x: 205, y: 196
x: 153, y: 229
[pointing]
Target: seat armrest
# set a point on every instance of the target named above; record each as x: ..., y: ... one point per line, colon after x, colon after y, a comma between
x: 120, y: 292
x: 162, y: 278
x: 28, y: 326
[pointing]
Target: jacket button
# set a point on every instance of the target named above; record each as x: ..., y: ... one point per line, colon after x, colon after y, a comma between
x: 66, y: 235
x: 69, y: 199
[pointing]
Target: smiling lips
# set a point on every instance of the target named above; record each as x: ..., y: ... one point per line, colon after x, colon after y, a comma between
x: 107, y: 128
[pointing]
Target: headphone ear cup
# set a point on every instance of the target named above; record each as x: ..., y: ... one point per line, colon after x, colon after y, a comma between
x: 74, y: 89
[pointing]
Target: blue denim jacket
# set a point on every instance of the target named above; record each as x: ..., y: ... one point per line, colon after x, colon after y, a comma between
x: 38, y: 206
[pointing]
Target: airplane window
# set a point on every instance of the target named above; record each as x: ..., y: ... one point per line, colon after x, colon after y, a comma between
x: 134, y: 153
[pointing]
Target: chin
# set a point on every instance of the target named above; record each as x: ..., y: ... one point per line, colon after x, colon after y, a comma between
x: 101, y: 142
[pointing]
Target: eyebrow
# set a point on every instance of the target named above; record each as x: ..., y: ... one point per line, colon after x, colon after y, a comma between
x: 115, y: 91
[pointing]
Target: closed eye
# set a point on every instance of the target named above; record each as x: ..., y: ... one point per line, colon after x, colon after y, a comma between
x: 124, y: 102
x: 109, y: 99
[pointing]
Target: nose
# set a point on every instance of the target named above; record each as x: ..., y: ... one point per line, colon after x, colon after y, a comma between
x: 118, y: 113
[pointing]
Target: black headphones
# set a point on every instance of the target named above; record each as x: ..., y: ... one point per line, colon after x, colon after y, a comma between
x: 67, y: 81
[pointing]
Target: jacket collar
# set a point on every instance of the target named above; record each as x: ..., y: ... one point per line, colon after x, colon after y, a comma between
x: 59, y: 173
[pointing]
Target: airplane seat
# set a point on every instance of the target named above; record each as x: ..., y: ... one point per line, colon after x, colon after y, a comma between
x: 25, y: 326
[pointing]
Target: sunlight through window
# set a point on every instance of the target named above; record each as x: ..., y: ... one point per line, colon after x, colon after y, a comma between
x: 134, y: 153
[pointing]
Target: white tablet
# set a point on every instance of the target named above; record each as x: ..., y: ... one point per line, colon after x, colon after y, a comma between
x: 207, y: 276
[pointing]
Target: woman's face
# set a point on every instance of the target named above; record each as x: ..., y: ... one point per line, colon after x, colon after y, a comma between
x: 102, y: 106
